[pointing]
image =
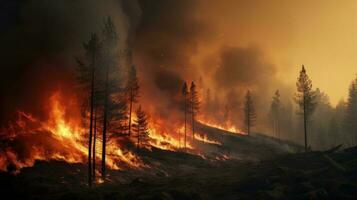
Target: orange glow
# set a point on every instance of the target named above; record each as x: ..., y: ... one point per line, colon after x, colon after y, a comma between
x: 67, y: 134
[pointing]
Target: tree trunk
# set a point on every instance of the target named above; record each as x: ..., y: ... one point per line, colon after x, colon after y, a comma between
x: 305, y: 124
x: 185, y: 119
x: 105, y: 123
x: 130, y: 110
x: 91, y: 128
x: 94, y: 140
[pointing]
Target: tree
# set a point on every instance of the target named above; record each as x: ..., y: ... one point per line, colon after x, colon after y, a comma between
x: 249, y: 112
x: 111, y: 101
x: 305, y: 99
x: 275, y: 110
x: 87, y: 80
x: 351, y: 112
x: 140, y: 127
x: 322, y: 116
x: 185, y: 102
x: 194, y: 106
x: 133, y: 91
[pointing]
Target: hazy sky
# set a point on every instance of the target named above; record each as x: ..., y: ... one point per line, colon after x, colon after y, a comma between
x: 321, y: 34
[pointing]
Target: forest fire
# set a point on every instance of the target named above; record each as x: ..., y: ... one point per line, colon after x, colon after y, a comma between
x: 60, y: 137
x: 164, y: 140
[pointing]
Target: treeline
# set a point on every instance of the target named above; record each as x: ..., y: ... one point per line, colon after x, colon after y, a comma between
x: 310, y: 119
x: 109, y: 89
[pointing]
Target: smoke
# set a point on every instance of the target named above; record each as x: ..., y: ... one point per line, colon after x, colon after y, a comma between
x: 174, y: 41
x: 39, y: 44
x: 171, y: 41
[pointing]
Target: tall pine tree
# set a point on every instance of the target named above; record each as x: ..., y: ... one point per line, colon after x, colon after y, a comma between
x: 86, y: 77
x: 306, y: 100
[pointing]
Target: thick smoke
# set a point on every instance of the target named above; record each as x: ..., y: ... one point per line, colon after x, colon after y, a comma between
x: 172, y: 43
x: 39, y: 44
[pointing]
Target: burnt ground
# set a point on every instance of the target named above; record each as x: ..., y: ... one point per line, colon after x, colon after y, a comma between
x: 259, y: 168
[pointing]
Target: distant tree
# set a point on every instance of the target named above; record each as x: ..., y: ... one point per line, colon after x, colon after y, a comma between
x: 194, y: 106
x: 133, y: 91
x: 305, y: 98
x: 185, y: 102
x: 351, y: 112
x: 140, y: 127
x: 86, y: 78
x: 249, y: 112
x: 322, y: 118
x: 340, y: 116
x: 275, y: 110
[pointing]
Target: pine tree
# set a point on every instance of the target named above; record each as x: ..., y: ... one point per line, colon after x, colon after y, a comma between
x: 185, y: 102
x: 86, y: 77
x: 194, y: 106
x: 133, y: 91
x: 140, y: 127
x: 305, y: 98
x: 113, y: 104
x: 249, y: 112
x: 275, y: 110
x: 351, y: 112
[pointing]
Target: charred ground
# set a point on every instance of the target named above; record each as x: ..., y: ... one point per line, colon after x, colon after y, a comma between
x: 232, y: 170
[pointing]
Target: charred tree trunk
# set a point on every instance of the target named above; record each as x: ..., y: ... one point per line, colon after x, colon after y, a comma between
x: 91, y: 126
x: 105, y: 123
x: 185, y: 119
x: 94, y: 140
x: 130, y: 109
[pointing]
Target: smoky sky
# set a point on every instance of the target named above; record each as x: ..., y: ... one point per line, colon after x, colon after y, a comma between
x: 40, y: 40
x: 169, y: 40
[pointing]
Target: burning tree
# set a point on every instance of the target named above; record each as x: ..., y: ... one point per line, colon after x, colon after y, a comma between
x: 275, y: 109
x: 305, y: 99
x: 86, y: 78
x: 140, y: 127
x: 249, y: 112
x: 133, y: 91
x: 185, y: 102
x: 194, y: 106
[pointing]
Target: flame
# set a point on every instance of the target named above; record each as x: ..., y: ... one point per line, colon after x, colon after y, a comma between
x: 161, y: 138
x: 68, y: 139
x: 204, y: 139
x: 226, y: 127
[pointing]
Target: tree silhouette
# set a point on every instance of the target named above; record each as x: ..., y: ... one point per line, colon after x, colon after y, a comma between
x: 133, y: 91
x: 140, y: 127
x: 185, y: 102
x: 351, y: 111
x: 275, y: 110
x: 112, y: 103
x: 194, y: 106
x: 305, y: 99
x: 249, y: 112
x: 86, y: 77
